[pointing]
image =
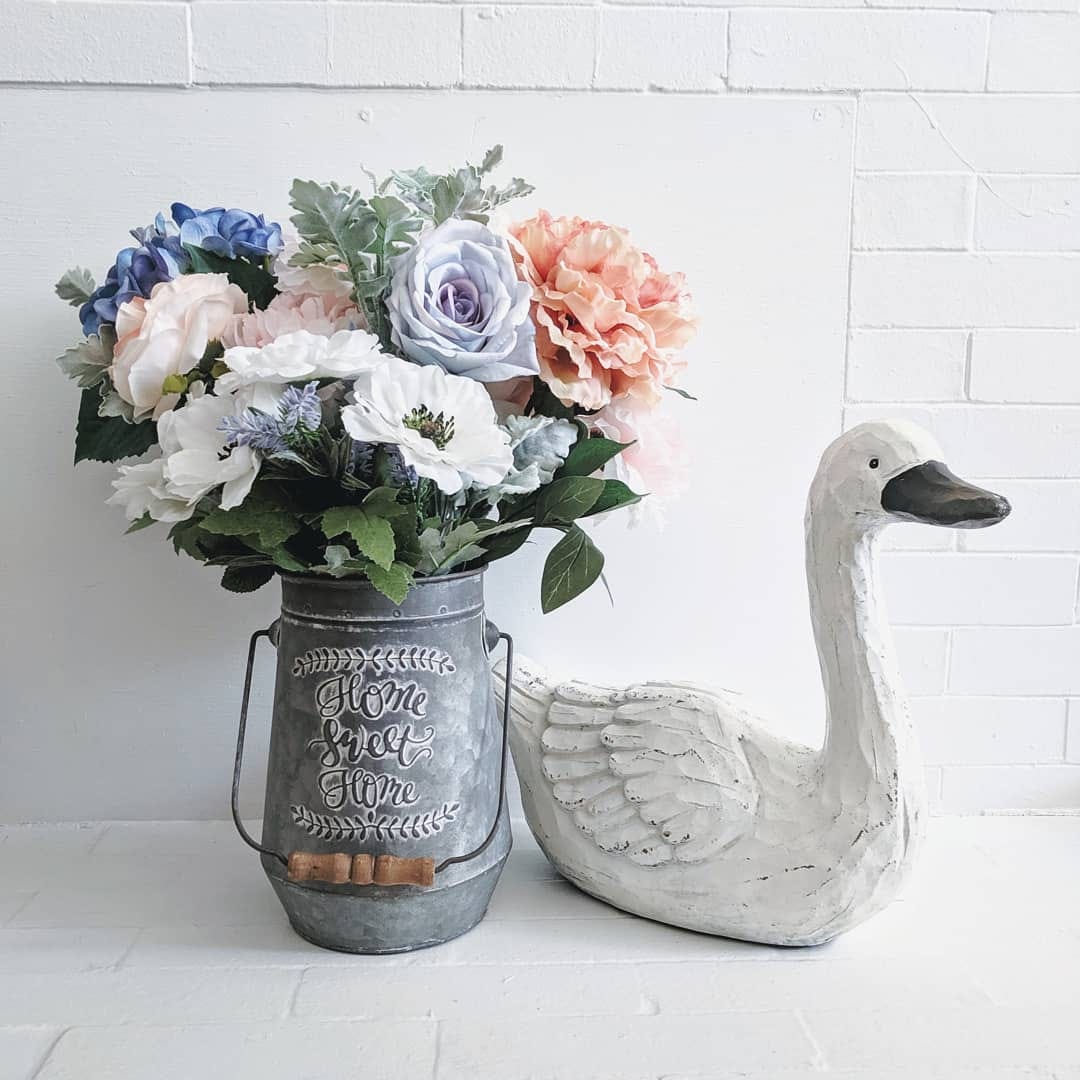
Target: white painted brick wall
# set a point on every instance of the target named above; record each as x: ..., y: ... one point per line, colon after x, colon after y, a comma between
x: 965, y: 267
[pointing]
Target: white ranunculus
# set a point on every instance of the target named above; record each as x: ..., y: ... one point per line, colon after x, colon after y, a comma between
x: 298, y: 357
x: 456, y: 301
x: 445, y: 426
x: 168, y: 335
x: 140, y: 489
x: 194, y: 460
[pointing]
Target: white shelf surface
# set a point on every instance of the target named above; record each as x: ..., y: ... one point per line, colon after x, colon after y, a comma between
x: 138, y: 950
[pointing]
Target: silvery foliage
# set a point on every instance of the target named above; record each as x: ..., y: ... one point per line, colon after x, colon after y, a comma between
x: 87, y: 363
x: 540, y: 445
x: 460, y: 194
x: 357, y: 236
x: 75, y: 286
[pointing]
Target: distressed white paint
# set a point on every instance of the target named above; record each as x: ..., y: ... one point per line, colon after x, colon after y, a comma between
x: 676, y: 803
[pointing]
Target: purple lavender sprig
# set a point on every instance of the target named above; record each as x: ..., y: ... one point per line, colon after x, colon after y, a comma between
x: 299, y: 415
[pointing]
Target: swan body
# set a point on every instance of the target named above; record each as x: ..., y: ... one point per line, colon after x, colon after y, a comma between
x: 674, y: 802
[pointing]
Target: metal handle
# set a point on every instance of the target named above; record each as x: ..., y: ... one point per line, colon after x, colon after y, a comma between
x: 502, y: 761
x: 309, y: 867
x: 270, y: 633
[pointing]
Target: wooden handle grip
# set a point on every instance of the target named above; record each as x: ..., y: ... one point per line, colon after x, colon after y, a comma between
x: 341, y: 869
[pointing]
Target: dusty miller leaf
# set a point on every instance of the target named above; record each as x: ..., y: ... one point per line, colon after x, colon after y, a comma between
x: 75, y: 286
x: 88, y: 361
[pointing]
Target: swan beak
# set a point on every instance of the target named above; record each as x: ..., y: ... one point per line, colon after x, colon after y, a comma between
x: 931, y: 494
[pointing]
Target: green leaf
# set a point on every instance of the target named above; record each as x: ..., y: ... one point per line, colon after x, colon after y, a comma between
x: 245, y: 579
x: 614, y: 495
x: 185, y: 537
x: 393, y: 582
x: 567, y: 499
x: 143, y: 523
x: 373, y: 535
x: 503, y: 544
x: 88, y: 361
x: 573, y: 564
x: 174, y: 384
x: 681, y: 392
x: 590, y: 455
x: 543, y: 402
x: 441, y: 554
x: 259, y: 284
x: 267, y: 525
x: 383, y: 502
x: 75, y: 286
x: 286, y: 560
x: 108, y: 438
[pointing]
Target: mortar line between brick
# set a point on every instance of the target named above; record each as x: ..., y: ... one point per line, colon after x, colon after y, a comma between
x: 437, y: 1050
x: 968, y: 348
x: 190, y: 31
x: 820, y: 1064
x: 851, y: 260
x: 290, y: 1008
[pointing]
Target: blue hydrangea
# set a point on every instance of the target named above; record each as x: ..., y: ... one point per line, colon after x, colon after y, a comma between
x: 232, y: 234
x: 159, y: 257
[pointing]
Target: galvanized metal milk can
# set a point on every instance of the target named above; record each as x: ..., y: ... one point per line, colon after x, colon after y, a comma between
x: 385, y: 827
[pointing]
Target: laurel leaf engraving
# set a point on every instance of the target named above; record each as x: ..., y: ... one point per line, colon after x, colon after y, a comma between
x: 377, y: 660
x: 381, y: 826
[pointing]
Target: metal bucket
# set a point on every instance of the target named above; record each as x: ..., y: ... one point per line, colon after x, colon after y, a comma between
x: 385, y: 827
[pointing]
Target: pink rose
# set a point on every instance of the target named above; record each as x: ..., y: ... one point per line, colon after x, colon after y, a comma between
x: 609, y: 322
x: 168, y: 335
x: 318, y: 314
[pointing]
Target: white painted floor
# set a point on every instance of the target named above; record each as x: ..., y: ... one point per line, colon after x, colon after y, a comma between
x: 158, y: 952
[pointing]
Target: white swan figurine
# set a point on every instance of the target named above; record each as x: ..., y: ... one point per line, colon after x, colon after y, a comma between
x: 674, y: 802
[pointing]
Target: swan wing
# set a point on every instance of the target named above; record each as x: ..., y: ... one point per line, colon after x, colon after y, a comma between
x: 654, y: 772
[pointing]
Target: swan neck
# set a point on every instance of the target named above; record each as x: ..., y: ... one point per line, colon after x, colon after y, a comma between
x: 868, y: 742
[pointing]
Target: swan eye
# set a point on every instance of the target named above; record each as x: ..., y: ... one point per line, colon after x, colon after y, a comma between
x: 874, y: 463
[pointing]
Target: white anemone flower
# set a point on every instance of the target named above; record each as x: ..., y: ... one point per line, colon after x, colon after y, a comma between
x: 444, y: 425
x: 297, y: 357
x: 194, y: 460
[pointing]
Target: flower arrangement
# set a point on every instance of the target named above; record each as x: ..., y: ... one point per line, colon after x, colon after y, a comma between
x: 398, y: 390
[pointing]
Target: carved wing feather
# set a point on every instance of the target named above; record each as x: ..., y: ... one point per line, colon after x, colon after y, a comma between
x: 650, y: 772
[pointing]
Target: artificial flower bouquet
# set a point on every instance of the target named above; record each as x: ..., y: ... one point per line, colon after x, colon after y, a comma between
x: 398, y: 390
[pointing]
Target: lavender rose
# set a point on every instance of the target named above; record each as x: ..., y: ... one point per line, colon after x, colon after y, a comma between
x: 456, y: 301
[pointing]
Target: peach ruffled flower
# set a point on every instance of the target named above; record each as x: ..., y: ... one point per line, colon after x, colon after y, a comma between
x: 321, y: 314
x: 609, y: 322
